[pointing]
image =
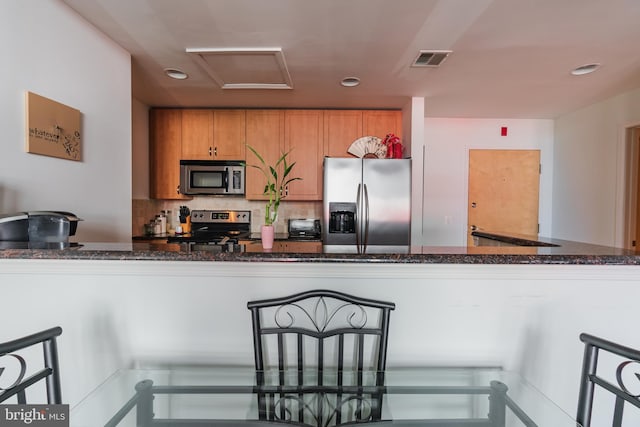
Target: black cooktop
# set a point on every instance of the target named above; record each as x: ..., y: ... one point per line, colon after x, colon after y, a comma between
x: 216, y: 227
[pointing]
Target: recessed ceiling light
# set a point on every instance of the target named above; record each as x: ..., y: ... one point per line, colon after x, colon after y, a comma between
x: 174, y: 73
x: 350, y: 81
x: 585, y: 69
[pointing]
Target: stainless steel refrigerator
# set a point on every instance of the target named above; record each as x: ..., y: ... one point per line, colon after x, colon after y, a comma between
x: 366, y: 205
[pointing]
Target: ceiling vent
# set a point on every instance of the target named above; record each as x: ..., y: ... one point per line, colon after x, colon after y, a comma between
x: 250, y: 68
x: 430, y: 58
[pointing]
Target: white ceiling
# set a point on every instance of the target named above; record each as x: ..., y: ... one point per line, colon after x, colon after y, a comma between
x: 511, y: 58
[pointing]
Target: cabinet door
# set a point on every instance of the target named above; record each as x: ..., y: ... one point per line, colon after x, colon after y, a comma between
x: 303, y: 137
x: 341, y: 128
x: 197, y: 134
x: 303, y: 247
x: 165, y: 139
x: 382, y: 122
x: 229, y: 134
x: 265, y: 133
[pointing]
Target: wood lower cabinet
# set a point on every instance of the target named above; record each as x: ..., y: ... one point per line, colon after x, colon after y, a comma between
x: 314, y: 247
x: 284, y: 246
x: 165, y: 147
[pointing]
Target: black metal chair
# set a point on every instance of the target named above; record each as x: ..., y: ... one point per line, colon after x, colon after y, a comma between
x: 624, y: 357
x: 50, y: 372
x: 335, y: 336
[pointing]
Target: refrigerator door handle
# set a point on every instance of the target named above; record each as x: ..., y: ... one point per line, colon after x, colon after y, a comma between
x: 358, y: 218
x: 366, y: 218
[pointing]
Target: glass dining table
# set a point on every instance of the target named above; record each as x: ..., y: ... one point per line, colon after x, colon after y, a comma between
x: 224, y: 395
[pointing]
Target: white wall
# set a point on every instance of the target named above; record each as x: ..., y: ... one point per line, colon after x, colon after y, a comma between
x: 588, y: 188
x: 51, y: 51
x: 413, y: 140
x: 447, y: 144
x: 140, y: 150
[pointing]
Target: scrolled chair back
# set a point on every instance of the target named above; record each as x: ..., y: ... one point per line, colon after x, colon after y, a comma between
x: 328, y: 339
x: 10, y: 351
x: 609, y: 380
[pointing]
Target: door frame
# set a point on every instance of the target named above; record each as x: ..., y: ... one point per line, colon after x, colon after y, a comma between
x: 630, y: 199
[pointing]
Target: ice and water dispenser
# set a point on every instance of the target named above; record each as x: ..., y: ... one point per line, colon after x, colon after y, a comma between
x: 342, y: 218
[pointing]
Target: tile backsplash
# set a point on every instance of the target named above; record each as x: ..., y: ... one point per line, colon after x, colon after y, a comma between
x: 143, y: 210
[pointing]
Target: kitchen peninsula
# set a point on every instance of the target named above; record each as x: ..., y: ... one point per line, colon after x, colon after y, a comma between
x: 147, y: 304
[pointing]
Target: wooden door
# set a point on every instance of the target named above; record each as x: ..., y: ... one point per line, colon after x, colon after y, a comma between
x: 341, y: 128
x: 229, y: 134
x: 303, y: 136
x: 197, y: 134
x: 265, y: 133
x: 165, y: 141
x: 503, y: 192
x: 380, y: 123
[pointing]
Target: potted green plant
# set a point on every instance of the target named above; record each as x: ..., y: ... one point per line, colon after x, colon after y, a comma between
x: 277, y: 178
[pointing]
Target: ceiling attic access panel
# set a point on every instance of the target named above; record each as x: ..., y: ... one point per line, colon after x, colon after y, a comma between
x: 251, y: 68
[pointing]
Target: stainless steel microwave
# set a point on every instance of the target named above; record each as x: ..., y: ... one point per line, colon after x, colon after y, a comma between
x: 213, y: 177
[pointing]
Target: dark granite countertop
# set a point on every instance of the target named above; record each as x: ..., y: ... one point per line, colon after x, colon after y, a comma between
x: 252, y: 236
x: 566, y: 252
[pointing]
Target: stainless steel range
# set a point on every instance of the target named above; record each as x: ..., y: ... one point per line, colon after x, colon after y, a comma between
x: 216, y: 230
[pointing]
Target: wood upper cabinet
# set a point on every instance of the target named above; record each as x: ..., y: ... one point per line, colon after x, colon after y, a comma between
x: 273, y: 132
x: 165, y: 143
x: 265, y: 133
x: 381, y: 122
x: 213, y: 134
x: 229, y: 134
x: 197, y: 135
x: 303, y: 138
x: 341, y: 128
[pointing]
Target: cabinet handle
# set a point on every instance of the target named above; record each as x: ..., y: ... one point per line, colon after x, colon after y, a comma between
x: 286, y: 190
x: 178, y: 189
x: 209, y: 151
x: 215, y: 151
